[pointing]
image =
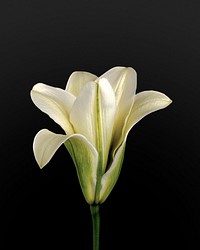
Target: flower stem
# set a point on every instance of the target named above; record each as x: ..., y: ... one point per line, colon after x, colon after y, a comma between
x: 95, y: 225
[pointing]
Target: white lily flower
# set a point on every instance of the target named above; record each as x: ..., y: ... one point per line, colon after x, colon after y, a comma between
x: 96, y: 114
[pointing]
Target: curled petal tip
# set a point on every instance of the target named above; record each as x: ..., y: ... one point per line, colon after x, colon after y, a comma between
x: 170, y: 100
x: 167, y: 100
x: 45, y: 145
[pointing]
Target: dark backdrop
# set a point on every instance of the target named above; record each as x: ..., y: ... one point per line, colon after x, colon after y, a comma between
x: 156, y: 202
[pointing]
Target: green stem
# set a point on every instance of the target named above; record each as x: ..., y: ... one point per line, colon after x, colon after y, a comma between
x: 95, y: 225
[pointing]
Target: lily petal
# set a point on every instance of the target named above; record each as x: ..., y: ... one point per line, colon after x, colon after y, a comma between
x: 78, y: 80
x: 84, y: 155
x: 85, y: 158
x: 145, y: 103
x: 83, y: 113
x: 93, y: 114
x: 45, y: 144
x: 107, y: 109
x: 124, y: 82
x: 110, y: 178
x: 55, y: 102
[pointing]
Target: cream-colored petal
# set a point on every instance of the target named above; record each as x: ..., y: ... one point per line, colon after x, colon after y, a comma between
x: 83, y: 113
x: 145, y: 103
x: 107, y: 108
x: 92, y: 115
x: 124, y: 82
x: 85, y: 158
x: 84, y: 155
x: 55, y: 102
x: 45, y: 144
x: 78, y: 80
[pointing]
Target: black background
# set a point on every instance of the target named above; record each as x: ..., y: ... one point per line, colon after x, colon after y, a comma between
x: 156, y: 201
